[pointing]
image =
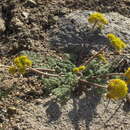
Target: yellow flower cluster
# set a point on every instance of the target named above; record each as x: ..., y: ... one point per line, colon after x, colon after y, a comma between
x: 127, y: 75
x: 12, y: 69
x: 21, y: 63
x: 80, y: 68
x: 116, y: 42
x: 102, y: 58
x: 98, y: 18
x: 117, y: 89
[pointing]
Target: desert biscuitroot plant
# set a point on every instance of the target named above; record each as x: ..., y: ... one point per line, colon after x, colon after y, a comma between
x: 60, y: 77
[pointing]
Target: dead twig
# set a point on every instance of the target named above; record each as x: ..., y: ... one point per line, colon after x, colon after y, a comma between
x: 106, y: 106
x: 114, y: 112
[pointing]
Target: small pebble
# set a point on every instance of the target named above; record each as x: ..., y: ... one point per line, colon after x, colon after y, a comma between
x: 11, y: 111
x: 38, y: 101
x: 31, y: 2
x: 2, y: 25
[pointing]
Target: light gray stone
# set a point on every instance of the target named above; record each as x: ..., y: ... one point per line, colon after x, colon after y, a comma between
x: 31, y: 2
x: 73, y: 30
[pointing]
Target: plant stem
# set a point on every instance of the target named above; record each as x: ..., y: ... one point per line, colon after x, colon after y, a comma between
x: 91, y: 84
x: 93, y: 27
x: 91, y: 58
x: 106, y: 75
x: 45, y: 74
x: 4, y: 66
x: 38, y: 70
x: 44, y: 69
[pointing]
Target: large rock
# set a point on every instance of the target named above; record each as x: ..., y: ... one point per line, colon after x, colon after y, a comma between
x: 74, y: 30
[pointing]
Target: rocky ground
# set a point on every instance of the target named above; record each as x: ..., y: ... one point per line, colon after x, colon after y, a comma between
x: 29, y: 25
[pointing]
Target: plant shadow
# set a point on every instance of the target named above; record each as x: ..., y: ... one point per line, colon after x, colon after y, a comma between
x: 53, y: 111
x: 126, y: 107
x: 84, y: 109
x: 88, y: 41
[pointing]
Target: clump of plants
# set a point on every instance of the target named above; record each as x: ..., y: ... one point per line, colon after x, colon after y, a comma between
x: 60, y: 77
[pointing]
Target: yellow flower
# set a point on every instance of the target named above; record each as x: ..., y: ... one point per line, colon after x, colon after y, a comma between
x: 12, y: 69
x: 76, y: 69
x: 81, y: 68
x: 28, y: 62
x: 127, y: 73
x: 102, y: 58
x: 117, y: 89
x: 98, y: 18
x: 22, y: 70
x: 16, y: 61
x: 21, y: 63
x: 23, y: 57
x: 116, y: 42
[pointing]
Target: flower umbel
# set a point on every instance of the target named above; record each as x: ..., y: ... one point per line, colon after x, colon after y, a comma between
x: 98, y: 19
x: 12, y: 69
x: 116, y: 42
x: 102, y: 58
x: 117, y: 89
x: 80, y: 68
x: 76, y: 69
x: 127, y: 73
x: 21, y: 63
